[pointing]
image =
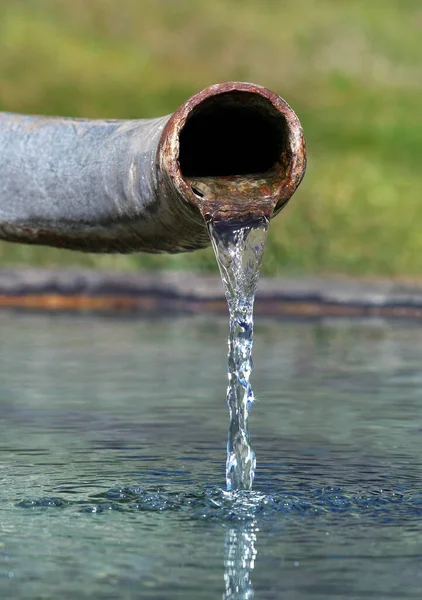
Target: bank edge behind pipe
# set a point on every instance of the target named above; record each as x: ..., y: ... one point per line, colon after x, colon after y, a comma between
x: 123, y: 186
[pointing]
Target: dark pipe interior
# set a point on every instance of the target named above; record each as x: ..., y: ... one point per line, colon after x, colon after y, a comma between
x: 236, y: 133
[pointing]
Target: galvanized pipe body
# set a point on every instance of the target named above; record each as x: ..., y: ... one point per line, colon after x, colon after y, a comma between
x: 91, y: 186
x: 103, y: 186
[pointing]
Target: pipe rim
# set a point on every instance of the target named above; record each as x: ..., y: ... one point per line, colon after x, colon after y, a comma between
x: 169, y: 145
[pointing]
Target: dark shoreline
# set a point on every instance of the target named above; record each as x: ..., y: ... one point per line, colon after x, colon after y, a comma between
x: 184, y: 292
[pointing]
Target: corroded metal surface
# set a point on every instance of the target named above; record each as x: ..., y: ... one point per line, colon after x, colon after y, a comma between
x: 244, y: 197
x: 271, y: 190
x: 311, y: 297
x: 117, y: 186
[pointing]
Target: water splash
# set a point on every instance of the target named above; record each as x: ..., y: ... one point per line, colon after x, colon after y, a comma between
x: 332, y: 504
x: 239, y: 249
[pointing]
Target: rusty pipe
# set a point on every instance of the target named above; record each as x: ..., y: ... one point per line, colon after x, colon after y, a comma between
x: 145, y: 185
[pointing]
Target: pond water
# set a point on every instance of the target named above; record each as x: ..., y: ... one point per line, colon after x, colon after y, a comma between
x: 113, y: 439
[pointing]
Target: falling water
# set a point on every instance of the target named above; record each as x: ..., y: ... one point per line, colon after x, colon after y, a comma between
x: 237, y: 211
x: 239, y: 248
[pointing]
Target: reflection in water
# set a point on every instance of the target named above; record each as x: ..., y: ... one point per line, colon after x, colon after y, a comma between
x: 239, y: 561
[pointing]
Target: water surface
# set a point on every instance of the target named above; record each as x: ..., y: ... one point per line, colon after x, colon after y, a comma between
x: 113, y: 436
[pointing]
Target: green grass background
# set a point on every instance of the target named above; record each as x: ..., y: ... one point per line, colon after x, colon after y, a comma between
x: 351, y: 69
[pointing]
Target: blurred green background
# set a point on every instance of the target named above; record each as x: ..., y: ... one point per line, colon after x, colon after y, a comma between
x: 351, y: 69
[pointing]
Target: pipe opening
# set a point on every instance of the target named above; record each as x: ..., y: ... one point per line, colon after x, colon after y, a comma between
x: 234, y: 133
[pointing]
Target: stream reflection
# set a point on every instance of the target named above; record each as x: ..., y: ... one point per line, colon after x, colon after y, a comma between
x: 239, y: 560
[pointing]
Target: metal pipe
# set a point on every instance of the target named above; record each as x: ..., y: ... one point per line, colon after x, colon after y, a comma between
x: 145, y: 185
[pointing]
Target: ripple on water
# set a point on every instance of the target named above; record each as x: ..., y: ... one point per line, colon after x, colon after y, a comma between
x: 217, y: 504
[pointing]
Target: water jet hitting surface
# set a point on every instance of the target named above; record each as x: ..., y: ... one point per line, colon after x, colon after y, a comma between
x: 239, y: 250
x: 242, y: 156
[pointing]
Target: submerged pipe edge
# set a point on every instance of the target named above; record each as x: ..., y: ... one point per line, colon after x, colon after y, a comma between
x: 123, y: 186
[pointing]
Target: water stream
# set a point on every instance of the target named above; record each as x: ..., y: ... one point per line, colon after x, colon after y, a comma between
x: 236, y: 210
x: 239, y: 249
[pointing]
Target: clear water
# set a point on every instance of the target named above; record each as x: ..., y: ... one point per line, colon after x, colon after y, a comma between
x: 239, y: 250
x: 112, y: 441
